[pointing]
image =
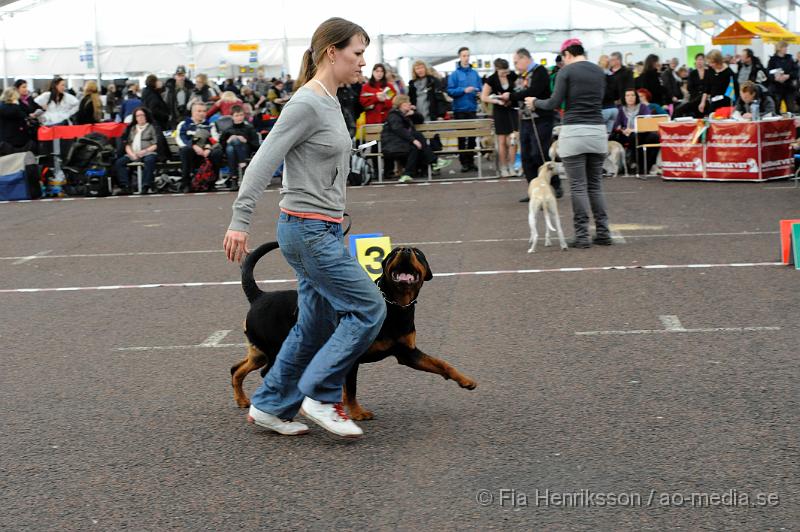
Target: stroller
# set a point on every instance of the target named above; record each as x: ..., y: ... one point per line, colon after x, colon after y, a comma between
x: 87, y: 166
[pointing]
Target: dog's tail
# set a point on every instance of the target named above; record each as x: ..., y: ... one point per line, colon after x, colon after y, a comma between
x: 546, y: 208
x: 251, y: 289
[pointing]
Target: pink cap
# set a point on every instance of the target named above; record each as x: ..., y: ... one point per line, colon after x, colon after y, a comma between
x: 569, y: 42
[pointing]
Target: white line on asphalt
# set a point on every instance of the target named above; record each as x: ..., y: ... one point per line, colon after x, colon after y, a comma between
x: 617, y: 238
x: 23, y: 260
x: 171, y: 347
x: 662, y: 331
x: 426, y: 243
x: 215, y: 338
x: 276, y: 189
x: 449, y: 274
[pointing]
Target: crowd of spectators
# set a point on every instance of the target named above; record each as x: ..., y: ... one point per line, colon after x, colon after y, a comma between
x: 189, y: 108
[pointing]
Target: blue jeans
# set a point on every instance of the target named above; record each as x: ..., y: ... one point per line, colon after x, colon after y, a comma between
x: 340, y: 314
x: 237, y: 152
x: 609, y: 117
x: 148, y: 171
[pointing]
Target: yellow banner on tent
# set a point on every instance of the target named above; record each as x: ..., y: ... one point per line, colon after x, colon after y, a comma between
x: 742, y: 32
x: 241, y: 47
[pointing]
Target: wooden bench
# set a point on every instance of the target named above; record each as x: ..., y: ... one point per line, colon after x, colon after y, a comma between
x: 445, y: 129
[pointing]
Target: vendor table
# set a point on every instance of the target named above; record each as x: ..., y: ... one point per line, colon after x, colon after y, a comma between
x: 729, y: 151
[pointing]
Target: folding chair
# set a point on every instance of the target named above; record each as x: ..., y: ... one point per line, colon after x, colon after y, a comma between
x: 645, y: 124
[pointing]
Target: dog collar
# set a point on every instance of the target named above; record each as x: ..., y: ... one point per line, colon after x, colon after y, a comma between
x: 412, y: 303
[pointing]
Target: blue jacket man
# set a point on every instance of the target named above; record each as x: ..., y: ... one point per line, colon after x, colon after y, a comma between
x: 464, y: 86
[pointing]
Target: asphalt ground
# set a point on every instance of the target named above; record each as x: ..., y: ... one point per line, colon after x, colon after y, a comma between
x: 98, y: 436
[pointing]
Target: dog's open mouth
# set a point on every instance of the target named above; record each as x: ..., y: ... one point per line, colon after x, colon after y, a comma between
x: 407, y: 278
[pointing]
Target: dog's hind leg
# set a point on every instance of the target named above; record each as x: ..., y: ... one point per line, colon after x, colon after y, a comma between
x: 548, y: 224
x: 355, y: 410
x: 255, y: 359
x: 418, y: 360
x: 554, y: 211
x: 533, y: 206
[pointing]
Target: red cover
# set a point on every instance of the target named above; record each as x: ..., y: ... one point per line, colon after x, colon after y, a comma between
x: 732, y: 151
x: 777, y: 159
x: 109, y: 129
x: 679, y: 157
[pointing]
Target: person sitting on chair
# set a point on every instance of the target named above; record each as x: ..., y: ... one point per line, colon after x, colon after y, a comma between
x: 239, y: 141
x: 750, y: 92
x: 623, y: 131
x: 196, y: 140
x: 141, y: 140
x: 400, y: 141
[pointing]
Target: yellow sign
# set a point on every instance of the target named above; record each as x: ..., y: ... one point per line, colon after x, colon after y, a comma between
x: 242, y: 47
x: 370, y: 253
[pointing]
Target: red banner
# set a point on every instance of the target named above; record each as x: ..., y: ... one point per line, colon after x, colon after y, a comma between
x: 109, y: 129
x: 733, y: 151
x: 777, y: 159
x: 680, y: 158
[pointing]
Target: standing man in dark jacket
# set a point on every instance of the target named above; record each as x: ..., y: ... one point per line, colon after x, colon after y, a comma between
x: 464, y: 86
x: 151, y: 98
x: 618, y: 78
x: 782, y: 71
x: 533, y: 81
x: 179, y: 92
x: 750, y: 69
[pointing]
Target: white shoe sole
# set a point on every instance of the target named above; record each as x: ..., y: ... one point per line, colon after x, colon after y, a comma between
x: 254, y: 421
x: 348, y: 436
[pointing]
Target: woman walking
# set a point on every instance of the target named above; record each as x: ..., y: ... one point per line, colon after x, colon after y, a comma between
x: 340, y: 309
x: 582, y: 143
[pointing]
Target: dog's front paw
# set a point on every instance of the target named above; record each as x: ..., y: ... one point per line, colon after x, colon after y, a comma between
x: 468, y: 383
x: 361, y: 415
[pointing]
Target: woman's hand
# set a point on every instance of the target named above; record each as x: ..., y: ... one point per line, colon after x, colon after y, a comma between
x: 530, y: 102
x: 702, y: 106
x: 235, y: 245
x: 418, y: 144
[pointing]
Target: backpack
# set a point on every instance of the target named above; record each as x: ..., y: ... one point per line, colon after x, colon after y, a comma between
x: 361, y: 171
x: 204, y: 177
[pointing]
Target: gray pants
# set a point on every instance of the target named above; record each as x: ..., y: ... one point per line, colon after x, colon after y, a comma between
x: 585, y: 173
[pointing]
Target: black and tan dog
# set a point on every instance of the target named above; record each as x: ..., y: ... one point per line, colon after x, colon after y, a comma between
x: 273, y: 314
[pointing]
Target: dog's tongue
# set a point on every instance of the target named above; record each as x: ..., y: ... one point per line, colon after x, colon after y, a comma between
x: 405, y: 278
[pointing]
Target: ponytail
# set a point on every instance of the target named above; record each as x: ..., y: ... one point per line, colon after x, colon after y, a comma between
x: 307, y: 70
x: 333, y: 32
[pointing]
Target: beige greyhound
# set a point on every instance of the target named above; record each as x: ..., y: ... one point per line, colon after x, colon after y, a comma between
x: 542, y: 197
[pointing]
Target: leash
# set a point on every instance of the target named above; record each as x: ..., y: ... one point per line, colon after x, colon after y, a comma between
x: 538, y: 140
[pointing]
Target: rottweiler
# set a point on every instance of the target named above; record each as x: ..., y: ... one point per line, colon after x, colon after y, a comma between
x: 273, y: 314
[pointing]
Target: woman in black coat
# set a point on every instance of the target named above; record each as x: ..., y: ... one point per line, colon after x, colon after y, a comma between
x: 151, y: 98
x: 651, y: 80
x: 13, y: 125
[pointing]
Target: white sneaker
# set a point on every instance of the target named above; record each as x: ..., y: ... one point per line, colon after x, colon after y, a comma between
x: 268, y: 421
x: 331, y: 417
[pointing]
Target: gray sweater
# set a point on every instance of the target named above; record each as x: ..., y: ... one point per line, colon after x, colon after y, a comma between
x: 312, y: 137
x: 581, y: 85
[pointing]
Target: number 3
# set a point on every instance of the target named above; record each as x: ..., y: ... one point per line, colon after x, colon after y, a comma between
x: 378, y: 257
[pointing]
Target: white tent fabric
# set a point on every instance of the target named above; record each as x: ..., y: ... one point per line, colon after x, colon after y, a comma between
x: 43, y: 37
